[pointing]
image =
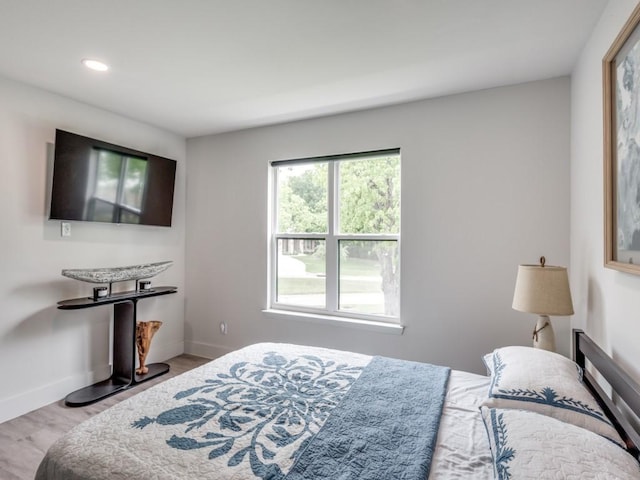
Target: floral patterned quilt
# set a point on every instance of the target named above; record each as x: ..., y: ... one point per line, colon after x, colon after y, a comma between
x: 268, y: 411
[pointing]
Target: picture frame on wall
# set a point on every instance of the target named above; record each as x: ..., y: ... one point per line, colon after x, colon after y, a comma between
x: 621, y: 91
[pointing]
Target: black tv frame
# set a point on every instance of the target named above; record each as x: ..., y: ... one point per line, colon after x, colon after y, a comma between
x: 69, y: 200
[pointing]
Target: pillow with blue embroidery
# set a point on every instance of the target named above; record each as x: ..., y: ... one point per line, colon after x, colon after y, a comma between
x: 544, y: 382
x: 527, y: 445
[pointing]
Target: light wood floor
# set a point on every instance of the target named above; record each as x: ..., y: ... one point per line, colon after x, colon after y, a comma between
x: 25, y: 440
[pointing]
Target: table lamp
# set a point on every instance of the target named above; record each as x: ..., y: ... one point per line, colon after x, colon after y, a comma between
x: 543, y: 290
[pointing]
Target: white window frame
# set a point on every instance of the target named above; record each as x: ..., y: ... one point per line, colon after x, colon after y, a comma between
x: 331, y: 239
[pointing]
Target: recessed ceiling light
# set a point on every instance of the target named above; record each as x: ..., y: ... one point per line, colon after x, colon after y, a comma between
x: 95, y: 65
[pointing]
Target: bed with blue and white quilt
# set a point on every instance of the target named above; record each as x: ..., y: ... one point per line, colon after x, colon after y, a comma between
x: 274, y: 412
x: 287, y: 412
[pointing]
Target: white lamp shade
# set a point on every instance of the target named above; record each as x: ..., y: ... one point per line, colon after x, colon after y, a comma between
x: 543, y: 290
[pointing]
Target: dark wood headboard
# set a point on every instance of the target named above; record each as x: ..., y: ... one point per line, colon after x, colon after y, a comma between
x: 621, y: 383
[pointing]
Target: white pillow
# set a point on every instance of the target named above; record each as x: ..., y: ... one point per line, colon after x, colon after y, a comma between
x: 526, y: 445
x: 544, y: 382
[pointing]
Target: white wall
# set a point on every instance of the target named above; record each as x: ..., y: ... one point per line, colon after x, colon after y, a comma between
x: 46, y: 353
x: 485, y: 179
x: 607, y: 302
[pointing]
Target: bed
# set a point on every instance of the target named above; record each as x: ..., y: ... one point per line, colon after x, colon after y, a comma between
x: 288, y: 412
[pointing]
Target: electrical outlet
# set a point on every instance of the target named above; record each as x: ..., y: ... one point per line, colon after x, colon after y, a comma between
x: 65, y: 229
x: 223, y: 328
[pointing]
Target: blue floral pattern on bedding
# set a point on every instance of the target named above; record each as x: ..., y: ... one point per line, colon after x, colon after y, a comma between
x: 253, y: 410
x: 503, y: 454
x: 269, y: 411
x: 498, y: 367
x: 547, y: 395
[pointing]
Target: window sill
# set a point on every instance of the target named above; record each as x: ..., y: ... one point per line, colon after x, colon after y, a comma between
x: 389, y: 328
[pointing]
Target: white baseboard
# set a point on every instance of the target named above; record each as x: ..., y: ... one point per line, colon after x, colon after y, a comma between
x: 206, y: 350
x: 37, y: 398
x: 33, y: 399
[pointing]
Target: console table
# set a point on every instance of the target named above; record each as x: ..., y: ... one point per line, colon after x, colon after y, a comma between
x: 123, y: 375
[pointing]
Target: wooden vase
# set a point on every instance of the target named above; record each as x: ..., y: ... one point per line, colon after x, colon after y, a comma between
x: 144, y: 333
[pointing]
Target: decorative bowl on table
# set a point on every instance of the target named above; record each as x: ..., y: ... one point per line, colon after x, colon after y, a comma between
x: 117, y: 274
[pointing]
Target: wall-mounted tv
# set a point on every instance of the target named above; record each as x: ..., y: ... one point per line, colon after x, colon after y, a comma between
x: 96, y: 181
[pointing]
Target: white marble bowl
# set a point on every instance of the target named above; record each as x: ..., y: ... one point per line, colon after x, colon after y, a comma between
x: 117, y: 274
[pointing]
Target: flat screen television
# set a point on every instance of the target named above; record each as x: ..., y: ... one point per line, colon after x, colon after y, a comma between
x: 96, y: 181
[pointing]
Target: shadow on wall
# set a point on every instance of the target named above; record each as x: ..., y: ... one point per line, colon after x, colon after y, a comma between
x: 595, y: 321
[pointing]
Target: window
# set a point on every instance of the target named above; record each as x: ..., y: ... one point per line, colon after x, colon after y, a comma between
x: 336, y: 235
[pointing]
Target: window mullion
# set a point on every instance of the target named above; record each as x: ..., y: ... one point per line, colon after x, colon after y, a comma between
x: 273, y: 264
x: 305, y: 236
x: 331, y: 246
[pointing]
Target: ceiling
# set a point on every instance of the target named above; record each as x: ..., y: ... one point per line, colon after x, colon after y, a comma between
x: 197, y: 67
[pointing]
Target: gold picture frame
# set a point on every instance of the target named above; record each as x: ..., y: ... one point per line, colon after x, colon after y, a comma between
x: 621, y: 95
